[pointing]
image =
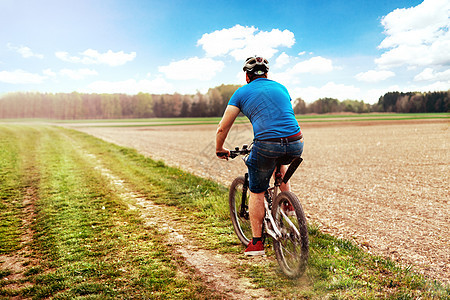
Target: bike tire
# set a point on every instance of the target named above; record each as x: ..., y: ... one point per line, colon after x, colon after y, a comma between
x: 241, y: 222
x: 292, y: 249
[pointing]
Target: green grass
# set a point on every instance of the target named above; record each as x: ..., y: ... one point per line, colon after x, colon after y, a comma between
x: 86, y: 241
x: 240, y: 120
x: 11, y: 192
x: 376, y: 116
x: 320, y: 118
x: 370, y: 117
x: 88, y: 244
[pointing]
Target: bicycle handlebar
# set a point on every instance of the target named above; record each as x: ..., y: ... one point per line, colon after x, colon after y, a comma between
x: 236, y: 152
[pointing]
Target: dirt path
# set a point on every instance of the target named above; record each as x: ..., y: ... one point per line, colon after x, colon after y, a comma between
x: 385, y: 186
x: 22, y: 259
x: 216, y: 269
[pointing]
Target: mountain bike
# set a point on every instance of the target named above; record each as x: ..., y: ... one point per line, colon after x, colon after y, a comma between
x: 284, y: 219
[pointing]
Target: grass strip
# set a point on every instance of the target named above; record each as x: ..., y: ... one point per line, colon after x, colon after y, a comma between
x: 11, y: 196
x: 89, y: 244
x: 150, y: 122
x: 375, y: 116
x: 243, y: 120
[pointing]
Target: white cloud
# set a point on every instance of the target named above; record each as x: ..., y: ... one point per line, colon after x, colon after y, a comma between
x: 331, y: 89
x: 24, y: 51
x: 282, y: 60
x: 49, y: 73
x: 429, y: 74
x: 73, y: 74
x: 20, y: 77
x: 240, y: 78
x: 90, y: 56
x: 314, y: 65
x: 241, y: 42
x: 374, y: 76
x: 62, y: 55
x: 131, y: 86
x: 285, y: 77
x: 435, y: 86
x: 417, y: 36
x: 192, y: 68
x: 77, y: 74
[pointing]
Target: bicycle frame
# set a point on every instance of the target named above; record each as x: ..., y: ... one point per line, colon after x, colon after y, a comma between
x: 284, y: 219
x: 243, y: 211
x: 271, y: 193
x: 271, y: 230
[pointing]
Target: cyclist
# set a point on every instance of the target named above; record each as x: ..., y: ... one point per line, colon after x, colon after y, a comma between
x: 277, y: 135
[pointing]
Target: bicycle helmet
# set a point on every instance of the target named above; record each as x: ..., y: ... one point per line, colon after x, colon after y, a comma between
x: 256, y: 64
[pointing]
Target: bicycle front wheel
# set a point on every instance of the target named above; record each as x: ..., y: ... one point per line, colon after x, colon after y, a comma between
x: 292, y: 248
x: 238, y: 201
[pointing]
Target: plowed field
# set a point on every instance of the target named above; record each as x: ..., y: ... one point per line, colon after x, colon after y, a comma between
x: 384, y: 185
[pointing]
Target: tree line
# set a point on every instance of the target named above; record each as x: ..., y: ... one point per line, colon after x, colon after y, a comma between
x: 412, y: 102
x: 415, y: 102
x: 73, y: 106
x: 331, y: 105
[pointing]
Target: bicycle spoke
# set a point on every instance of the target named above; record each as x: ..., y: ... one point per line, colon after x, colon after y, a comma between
x: 289, y: 222
x: 239, y: 211
x: 291, y: 248
x: 292, y: 257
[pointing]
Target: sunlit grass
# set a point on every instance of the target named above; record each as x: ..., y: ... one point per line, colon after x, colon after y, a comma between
x: 87, y: 241
x: 11, y: 188
x: 309, y: 118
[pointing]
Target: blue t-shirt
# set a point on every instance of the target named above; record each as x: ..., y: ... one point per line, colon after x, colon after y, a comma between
x: 267, y: 105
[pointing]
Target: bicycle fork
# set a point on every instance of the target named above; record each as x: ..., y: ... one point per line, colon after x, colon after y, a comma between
x: 271, y: 227
x: 243, y: 212
x: 273, y: 230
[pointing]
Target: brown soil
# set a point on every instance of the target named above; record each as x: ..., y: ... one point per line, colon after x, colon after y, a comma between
x: 384, y: 185
x: 17, y: 263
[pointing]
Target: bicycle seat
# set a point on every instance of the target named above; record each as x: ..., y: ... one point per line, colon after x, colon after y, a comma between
x: 294, y: 163
x: 286, y: 159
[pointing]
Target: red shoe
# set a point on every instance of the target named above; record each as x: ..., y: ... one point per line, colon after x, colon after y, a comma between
x: 253, y: 250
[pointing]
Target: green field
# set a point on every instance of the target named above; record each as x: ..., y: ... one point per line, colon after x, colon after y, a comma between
x: 240, y: 120
x: 301, y: 118
x: 72, y: 234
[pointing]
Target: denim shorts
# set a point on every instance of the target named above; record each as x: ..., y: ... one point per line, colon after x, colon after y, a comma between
x: 263, y: 159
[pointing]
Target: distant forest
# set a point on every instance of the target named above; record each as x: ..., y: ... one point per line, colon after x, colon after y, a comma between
x: 74, y: 106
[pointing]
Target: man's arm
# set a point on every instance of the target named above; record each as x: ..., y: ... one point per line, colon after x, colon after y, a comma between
x: 230, y: 114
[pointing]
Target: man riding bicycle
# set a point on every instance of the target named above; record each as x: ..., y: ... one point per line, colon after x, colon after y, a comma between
x: 277, y: 135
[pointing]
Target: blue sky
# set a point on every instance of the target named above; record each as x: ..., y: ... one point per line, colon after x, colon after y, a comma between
x: 342, y: 49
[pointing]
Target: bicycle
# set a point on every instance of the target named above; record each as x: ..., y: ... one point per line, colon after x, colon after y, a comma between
x: 284, y: 219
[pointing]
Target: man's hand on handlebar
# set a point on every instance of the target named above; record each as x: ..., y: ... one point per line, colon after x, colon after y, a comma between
x: 223, y: 153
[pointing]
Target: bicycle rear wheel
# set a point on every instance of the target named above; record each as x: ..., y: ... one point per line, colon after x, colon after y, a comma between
x: 238, y: 201
x: 292, y: 249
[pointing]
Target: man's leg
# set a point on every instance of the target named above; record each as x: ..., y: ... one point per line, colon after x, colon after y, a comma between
x: 256, y: 206
x: 256, y: 211
x: 284, y: 187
